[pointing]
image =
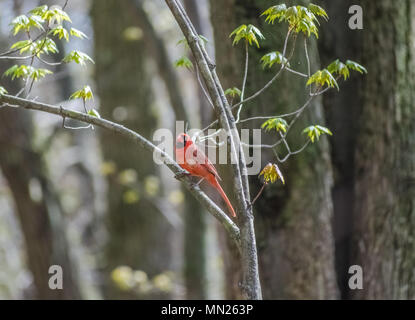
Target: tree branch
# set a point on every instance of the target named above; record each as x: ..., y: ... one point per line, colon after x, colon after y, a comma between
x: 244, y: 81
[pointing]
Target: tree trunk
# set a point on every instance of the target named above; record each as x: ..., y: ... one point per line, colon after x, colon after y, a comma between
x: 139, y: 234
x: 342, y: 110
x: 385, y: 189
x: 293, y: 222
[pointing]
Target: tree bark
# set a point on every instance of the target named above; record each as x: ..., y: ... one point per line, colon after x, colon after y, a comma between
x: 342, y: 110
x: 293, y: 222
x: 384, y: 187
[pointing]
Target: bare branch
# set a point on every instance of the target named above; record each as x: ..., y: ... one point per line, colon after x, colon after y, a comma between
x: 244, y: 81
x: 289, y: 154
x: 256, y: 94
x: 203, y: 88
x: 296, y: 72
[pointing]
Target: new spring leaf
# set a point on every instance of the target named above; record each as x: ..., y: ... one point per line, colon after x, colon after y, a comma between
x: 249, y: 33
x: 233, y: 92
x: 299, y: 18
x: 85, y: 94
x: 273, y: 57
x: 77, y: 57
x: 183, y: 62
x: 322, y: 78
x: 25, y: 72
x: 314, y: 132
x: 272, y: 173
x: 279, y: 124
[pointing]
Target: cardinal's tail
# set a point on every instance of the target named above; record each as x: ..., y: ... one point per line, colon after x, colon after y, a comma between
x: 216, y: 184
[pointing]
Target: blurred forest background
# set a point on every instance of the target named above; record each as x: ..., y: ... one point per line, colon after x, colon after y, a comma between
x: 122, y: 227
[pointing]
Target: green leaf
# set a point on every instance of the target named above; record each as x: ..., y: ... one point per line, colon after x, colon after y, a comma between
x: 56, y: 14
x: 77, y: 57
x: 279, y: 124
x: 45, y: 46
x: 275, y: 12
x: 2, y: 91
x: 61, y: 32
x: 272, y: 173
x: 233, y: 92
x: 314, y: 132
x: 85, y: 94
x: 273, y: 57
x: 94, y: 113
x: 36, y: 74
x: 183, y: 62
x: 355, y: 66
x: 25, y: 72
x: 23, y: 46
x: 318, y: 11
x: 77, y: 33
x: 37, y: 48
x: 249, y: 33
x: 322, y: 78
x: 338, y: 67
x: 299, y: 18
x: 25, y: 23
x: 14, y: 71
x: 39, y: 11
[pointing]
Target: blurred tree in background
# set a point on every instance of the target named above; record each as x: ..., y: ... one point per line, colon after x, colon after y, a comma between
x: 139, y: 236
x: 373, y: 150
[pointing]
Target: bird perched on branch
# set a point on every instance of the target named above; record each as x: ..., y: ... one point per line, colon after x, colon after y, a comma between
x: 194, y: 160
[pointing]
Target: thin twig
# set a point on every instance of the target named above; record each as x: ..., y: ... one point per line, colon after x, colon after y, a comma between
x: 288, y: 155
x: 202, y: 87
x: 296, y: 72
x: 256, y: 94
x: 244, y: 81
x: 64, y: 6
x: 259, y: 193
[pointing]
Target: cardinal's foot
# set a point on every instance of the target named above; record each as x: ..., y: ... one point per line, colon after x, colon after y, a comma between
x: 180, y: 175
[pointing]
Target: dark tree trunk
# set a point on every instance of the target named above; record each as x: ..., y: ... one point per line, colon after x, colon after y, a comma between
x: 371, y: 150
x: 293, y: 222
x: 385, y: 165
x: 342, y: 110
x: 139, y: 234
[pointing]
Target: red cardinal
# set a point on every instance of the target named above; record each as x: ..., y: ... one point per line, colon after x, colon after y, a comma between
x: 192, y: 159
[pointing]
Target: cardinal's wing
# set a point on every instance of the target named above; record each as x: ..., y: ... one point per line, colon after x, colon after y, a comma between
x: 200, y: 157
